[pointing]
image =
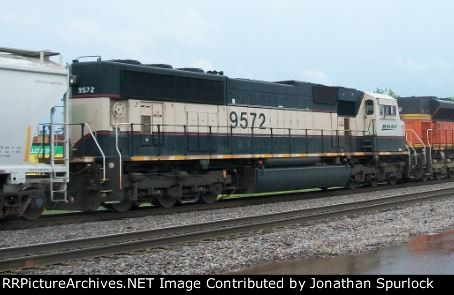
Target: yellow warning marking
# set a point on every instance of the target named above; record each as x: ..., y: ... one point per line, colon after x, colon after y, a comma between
x: 416, y: 116
x: 83, y: 160
x: 28, y: 144
x: 256, y: 156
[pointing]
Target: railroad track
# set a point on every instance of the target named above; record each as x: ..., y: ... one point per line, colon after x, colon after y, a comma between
x: 14, y: 258
x: 105, y: 215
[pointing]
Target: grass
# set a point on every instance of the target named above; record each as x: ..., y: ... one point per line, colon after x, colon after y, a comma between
x: 220, y: 197
x: 237, y: 196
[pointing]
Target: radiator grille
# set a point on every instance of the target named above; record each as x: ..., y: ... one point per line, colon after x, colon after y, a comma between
x: 325, y: 94
x: 148, y: 86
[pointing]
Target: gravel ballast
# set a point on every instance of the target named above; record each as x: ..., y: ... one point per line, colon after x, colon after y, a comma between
x: 332, y: 237
x: 89, y: 229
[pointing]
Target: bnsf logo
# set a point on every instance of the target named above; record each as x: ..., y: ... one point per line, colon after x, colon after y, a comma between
x: 389, y: 127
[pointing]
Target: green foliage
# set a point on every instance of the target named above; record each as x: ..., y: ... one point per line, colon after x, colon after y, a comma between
x: 387, y: 91
x: 448, y: 98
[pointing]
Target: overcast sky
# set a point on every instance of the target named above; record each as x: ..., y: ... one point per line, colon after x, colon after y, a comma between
x: 407, y: 46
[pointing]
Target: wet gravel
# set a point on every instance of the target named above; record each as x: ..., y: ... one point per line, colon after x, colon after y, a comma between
x: 330, y: 238
x: 73, y: 231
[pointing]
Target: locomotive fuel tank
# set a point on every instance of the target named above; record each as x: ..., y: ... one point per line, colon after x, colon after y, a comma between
x: 292, y: 178
x: 291, y: 162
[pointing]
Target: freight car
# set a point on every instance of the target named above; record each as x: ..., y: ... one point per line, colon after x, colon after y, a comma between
x: 31, y: 84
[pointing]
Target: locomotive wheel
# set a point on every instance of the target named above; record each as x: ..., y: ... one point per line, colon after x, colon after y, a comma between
x: 164, y: 201
x: 392, y: 180
x: 32, y: 213
x: 208, y: 197
x: 92, y: 201
x: 438, y: 176
x: 352, y: 184
x: 450, y: 174
x: 373, y: 182
x: 135, y: 206
x: 121, y: 207
x: 35, y: 208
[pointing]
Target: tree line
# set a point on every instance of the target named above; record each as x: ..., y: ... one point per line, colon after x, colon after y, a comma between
x: 390, y: 92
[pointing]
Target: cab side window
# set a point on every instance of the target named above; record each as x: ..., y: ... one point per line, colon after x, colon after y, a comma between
x: 388, y: 111
x: 369, y: 107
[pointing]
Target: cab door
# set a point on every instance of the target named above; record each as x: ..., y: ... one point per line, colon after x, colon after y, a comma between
x: 369, y: 117
x: 157, y: 124
x: 145, y: 117
x: 151, y: 123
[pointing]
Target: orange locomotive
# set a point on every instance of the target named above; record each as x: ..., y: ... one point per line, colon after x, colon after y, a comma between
x: 429, y: 130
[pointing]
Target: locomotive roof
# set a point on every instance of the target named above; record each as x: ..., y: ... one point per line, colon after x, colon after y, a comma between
x: 131, y: 79
x: 438, y: 108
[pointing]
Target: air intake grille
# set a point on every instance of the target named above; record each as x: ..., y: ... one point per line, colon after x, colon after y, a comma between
x: 325, y: 94
x: 150, y: 86
x: 201, y: 90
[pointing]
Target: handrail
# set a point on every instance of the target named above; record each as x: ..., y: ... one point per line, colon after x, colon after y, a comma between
x: 100, y: 150
x: 52, y: 139
x: 247, y: 128
x: 420, y: 140
x: 409, y: 159
x: 44, y: 125
x: 288, y: 131
x: 118, y: 150
x: 438, y: 137
x: 304, y: 130
x: 92, y: 136
x: 417, y: 136
x: 370, y: 124
x: 430, y: 145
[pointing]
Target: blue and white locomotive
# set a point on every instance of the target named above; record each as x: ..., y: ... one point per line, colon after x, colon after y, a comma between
x: 154, y: 133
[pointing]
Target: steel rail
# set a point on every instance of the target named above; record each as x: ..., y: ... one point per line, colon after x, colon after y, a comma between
x: 105, y: 215
x: 13, y: 258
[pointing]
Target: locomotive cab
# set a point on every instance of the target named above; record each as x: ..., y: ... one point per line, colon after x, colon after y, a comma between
x: 381, y: 116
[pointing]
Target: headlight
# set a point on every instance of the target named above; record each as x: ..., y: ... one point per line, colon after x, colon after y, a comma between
x: 72, y: 80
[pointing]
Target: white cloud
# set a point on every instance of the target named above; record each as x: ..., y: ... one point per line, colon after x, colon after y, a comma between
x: 422, y: 65
x: 254, y: 39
